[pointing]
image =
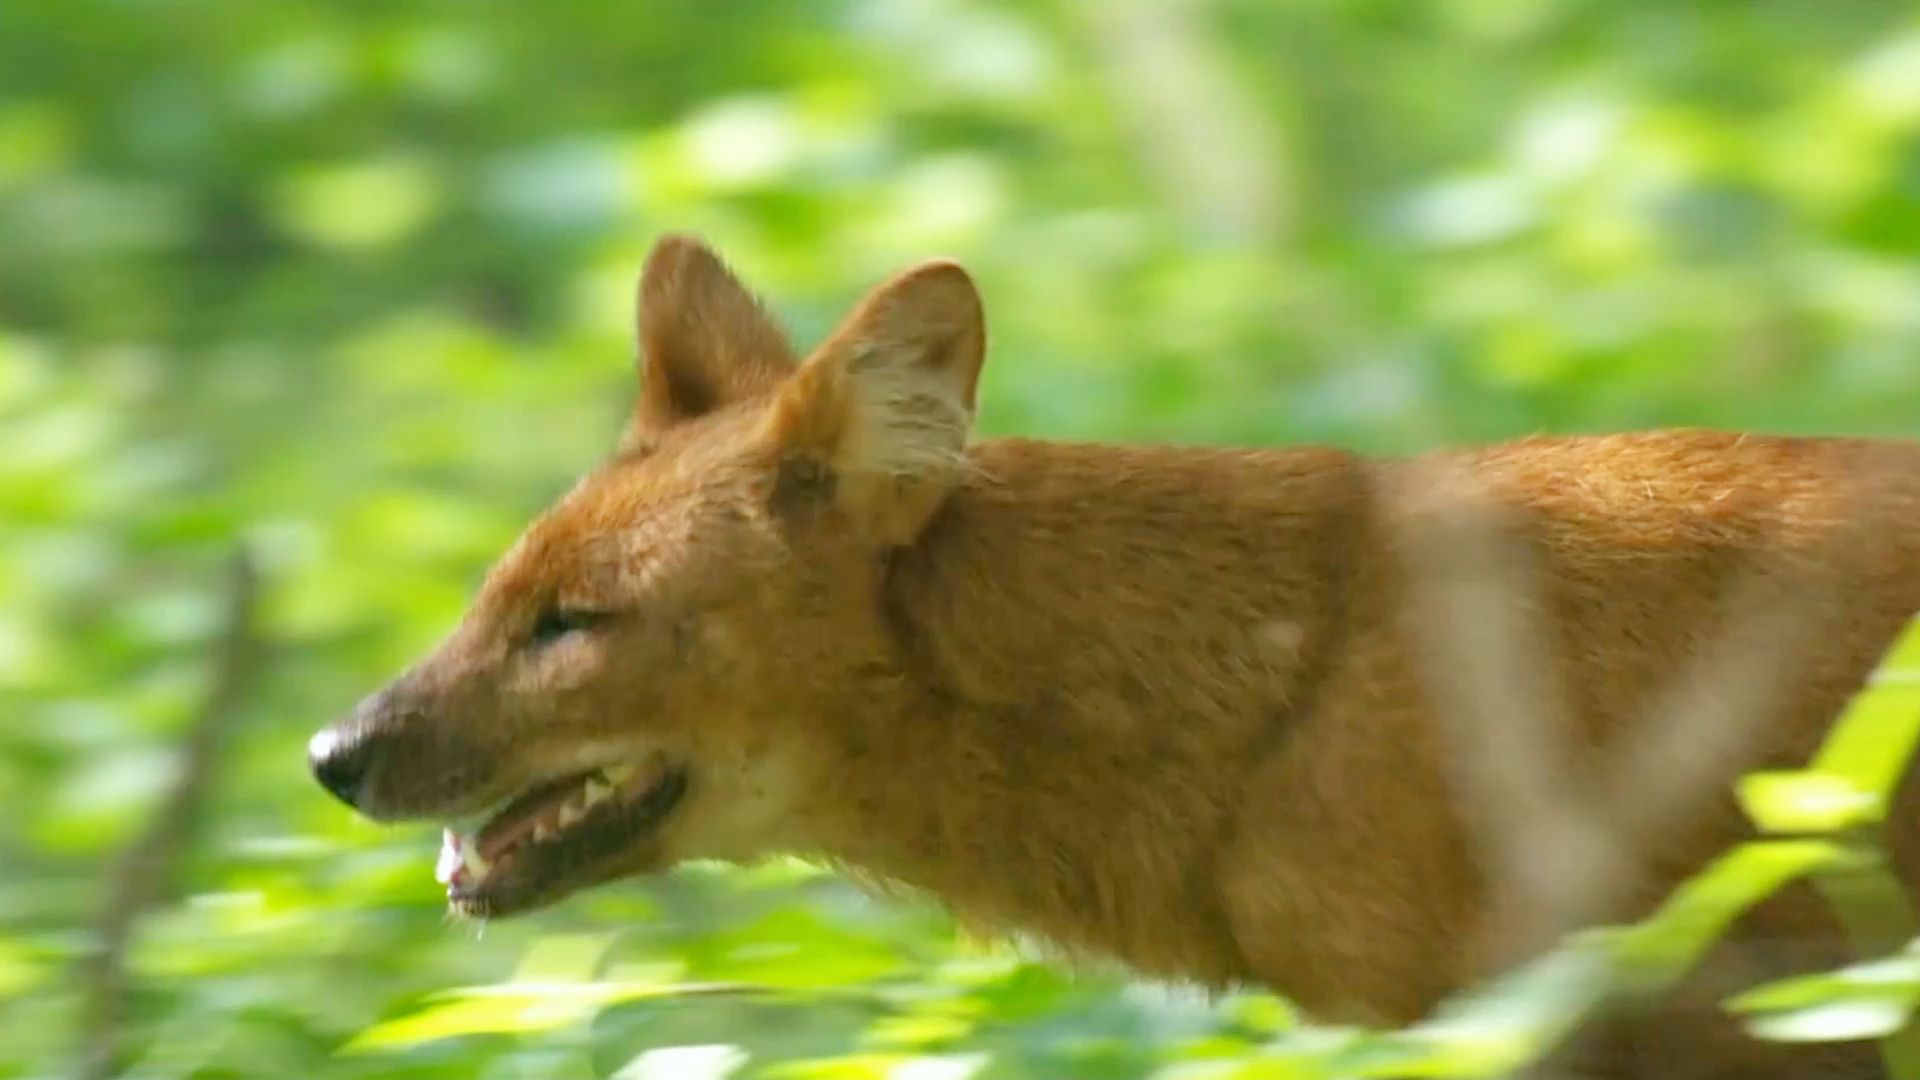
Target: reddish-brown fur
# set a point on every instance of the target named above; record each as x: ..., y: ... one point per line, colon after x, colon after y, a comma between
x: 1175, y: 706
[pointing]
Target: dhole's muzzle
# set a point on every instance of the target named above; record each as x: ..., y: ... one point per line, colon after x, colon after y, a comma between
x: 518, y: 835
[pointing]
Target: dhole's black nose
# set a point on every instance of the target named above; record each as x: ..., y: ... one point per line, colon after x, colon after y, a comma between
x: 339, y: 761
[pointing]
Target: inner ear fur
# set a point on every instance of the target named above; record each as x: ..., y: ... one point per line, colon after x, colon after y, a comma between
x: 887, y: 402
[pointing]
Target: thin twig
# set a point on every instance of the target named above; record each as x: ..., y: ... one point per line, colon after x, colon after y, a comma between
x: 141, y: 876
x: 1475, y: 610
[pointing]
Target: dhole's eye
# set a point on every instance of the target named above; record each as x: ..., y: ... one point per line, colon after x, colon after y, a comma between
x: 557, y: 622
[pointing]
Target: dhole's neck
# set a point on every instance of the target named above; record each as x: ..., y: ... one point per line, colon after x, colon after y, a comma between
x: 1084, y: 634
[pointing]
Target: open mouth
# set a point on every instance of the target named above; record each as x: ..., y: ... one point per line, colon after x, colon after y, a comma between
x: 556, y: 837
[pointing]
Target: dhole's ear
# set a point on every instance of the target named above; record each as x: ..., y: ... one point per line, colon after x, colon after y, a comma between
x: 879, y: 414
x: 705, y: 341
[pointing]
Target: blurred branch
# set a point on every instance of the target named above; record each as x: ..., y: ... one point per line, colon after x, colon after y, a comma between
x: 1487, y: 665
x: 140, y: 878
x: 1560, y: 842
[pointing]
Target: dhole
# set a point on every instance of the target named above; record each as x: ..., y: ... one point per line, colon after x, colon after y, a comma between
x: 1189, y: 708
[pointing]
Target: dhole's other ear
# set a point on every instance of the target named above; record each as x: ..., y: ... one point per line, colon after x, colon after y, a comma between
x: 705, y: 341
x: 884, y: 406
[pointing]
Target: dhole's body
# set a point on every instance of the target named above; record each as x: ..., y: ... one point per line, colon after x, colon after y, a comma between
x: 1182, y: 707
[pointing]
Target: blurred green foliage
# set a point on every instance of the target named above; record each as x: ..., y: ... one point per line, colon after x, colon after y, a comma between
x: 354, y: 280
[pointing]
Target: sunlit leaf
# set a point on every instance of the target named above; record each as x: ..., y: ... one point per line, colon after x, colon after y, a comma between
x: 18, y: 971
x: 1833, y: 1021
x: 35, y: 138
x: 1867, y: 1000
x: 502, y: 1014
x: 1892, y: 976
x: 742, y: 143
x: 360, y: 204
x: 1803, y: 802
x: 1852, y: 776
x: 513, y: 1008
x: 564, y: 957
x: 1683, y: 927
x: 850, y: 1067
x: 1497, y: 1028
x: 797, y: 948
x: 1874, y: 739
x: 683, y: 1063
x: 918, y: 1031
x: 1902, y: 663
x: 1262, y: 1013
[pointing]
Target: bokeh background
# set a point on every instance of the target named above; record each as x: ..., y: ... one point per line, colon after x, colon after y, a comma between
x: 353, y: 281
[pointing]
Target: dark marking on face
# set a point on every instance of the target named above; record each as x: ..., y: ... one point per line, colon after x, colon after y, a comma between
x: 802, y: 486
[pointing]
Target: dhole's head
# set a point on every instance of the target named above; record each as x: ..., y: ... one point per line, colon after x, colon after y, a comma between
x: 632, y: 685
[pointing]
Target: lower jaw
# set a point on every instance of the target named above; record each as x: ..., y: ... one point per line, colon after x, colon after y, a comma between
x: 519, y: 894
x: 486, y: 905
x: 530, y: 878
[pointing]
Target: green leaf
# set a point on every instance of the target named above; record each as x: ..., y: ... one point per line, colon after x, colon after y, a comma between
x: 796, y: 948
x: 1868, y: 1000
x: 1896, y: 975
x: 1497, y: 1028
x: 919, y: 1031
x: 1808, y: 802
x: 18, y: 970
x: 358, y: 204
x: 1853, y: 775
x: 1902, y: 663
x: 711, y: 1062
x: 1874, y: 738
x: 848, y: 1067
x: 477, y: 1016
x: 1263, y: 1014
x: 564, y: 957
x: 515, y: 1008
x: 1699, y: 911
x: 1844, y: 1020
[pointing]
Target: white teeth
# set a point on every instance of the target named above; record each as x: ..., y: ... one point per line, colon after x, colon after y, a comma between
x: 449, y: 862
x: 460, y: 863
